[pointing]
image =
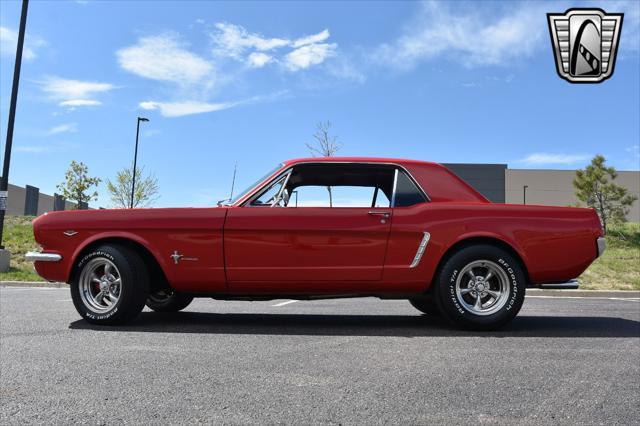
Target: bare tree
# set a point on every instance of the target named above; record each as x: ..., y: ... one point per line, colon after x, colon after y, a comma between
x: 324, y: 145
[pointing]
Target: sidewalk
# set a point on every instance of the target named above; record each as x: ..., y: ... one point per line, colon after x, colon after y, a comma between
x: 620, y: 294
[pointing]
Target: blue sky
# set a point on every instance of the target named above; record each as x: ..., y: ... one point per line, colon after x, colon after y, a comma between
x: 247, y: 82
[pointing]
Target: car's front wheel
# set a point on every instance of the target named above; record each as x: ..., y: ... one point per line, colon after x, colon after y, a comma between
x: 167, y: 300
x: 481, y: 287
x: 110, y: 285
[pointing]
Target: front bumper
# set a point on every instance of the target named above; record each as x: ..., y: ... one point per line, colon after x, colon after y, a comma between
x: 602, y: 245
x: 35, y: 256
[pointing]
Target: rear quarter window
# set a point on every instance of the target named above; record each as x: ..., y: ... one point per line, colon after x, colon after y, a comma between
x: 407, y: 193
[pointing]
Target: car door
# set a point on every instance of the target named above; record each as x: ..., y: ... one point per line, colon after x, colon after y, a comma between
x: 307, y: 243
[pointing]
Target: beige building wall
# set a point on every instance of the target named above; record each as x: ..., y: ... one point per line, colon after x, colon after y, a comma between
x: 555, y: 188
x: 15, y: 200
x: 45, y: 203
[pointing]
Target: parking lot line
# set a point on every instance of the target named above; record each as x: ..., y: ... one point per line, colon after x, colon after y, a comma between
x: 285, y: 303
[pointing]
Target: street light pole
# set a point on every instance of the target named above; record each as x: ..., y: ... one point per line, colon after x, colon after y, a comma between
x: 4, y: 182
x: 135, y: 159
x: 524, y: 194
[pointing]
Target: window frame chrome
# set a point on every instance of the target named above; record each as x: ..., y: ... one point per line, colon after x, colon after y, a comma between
x: 252, y: 195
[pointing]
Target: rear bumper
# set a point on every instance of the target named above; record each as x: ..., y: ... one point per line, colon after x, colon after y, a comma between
x: 602, y: 245
x: 34, y: 256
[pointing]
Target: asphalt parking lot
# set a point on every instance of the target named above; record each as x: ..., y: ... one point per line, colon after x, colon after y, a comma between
x: 353, y: 361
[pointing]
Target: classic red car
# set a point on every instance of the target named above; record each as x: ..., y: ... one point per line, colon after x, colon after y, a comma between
x: 318, y: 228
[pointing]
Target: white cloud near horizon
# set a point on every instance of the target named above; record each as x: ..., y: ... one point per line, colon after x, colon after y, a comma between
x: 74, y: 93
x: 165, y: 58
x: 549, y: 158
x: 466, y: 36
x: 9, y: 42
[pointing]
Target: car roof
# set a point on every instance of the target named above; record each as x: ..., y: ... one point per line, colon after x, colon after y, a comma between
x: 399, y: 161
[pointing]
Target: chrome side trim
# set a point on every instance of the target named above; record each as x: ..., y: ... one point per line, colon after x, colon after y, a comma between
x: 602, y: 245
x: 258, y: 188
x: 35, y: 256
x: 569, y: 285
x: 421, y: 249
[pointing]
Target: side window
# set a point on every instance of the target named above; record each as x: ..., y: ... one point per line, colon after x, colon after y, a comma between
x: 407, y: 193
x: 340, y: 185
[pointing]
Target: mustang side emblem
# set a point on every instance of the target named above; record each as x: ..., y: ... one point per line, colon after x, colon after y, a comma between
x: 585, y: 43
x: 177, y: 257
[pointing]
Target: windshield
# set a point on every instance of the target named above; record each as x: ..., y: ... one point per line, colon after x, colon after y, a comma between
x: 253, y: 185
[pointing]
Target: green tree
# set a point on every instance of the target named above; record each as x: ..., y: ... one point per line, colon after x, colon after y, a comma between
x: 78, y: 184
x: 120, y: 190
x: 596, y: 188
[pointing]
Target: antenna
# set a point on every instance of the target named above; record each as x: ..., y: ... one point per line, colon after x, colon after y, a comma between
x: 233, y: 181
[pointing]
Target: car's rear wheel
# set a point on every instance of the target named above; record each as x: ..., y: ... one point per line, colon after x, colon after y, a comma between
x: 426, y: 305
x: 110, y: 285
x: 481, y: 287
x: 167, y: 300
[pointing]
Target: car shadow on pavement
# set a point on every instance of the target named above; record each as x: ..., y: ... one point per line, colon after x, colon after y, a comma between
x: 364, y: 325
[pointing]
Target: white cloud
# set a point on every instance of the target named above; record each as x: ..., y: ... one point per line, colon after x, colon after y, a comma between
x: 306, y: 56
x: 50, y: 147
x: 80, y: 102
x: 179, y: 109
x: 547, y: 158
x: 236, y: 42
x: 312, y: 39
x: 233, y: 40
x: 164, y: 58
x: 74, y: 93
x: 630, y: 35
x: 9, y: 42
x: 467, y: 37
x: 63, y: 128
x: 258, y: 59
x: 634, y: 151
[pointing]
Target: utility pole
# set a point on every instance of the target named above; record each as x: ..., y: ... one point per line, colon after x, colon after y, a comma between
x: 4, y: 182
x: 524, y: 194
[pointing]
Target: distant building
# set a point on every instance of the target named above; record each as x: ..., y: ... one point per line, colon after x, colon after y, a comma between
x: 28, y: 201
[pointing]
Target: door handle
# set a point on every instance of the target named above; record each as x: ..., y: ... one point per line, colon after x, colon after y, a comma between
x: 378, y: 213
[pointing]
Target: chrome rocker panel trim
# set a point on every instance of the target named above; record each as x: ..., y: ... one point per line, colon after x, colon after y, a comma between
x: 569, y: 285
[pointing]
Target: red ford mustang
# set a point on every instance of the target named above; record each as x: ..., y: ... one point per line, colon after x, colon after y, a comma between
x: 318, y: 228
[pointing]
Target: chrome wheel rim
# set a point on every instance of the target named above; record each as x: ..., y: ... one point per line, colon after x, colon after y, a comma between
x: 100, y: 285
x: 482, y: 287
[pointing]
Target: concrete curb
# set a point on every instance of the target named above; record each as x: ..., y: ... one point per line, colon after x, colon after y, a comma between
x: 37, y: 284
x: 621, y: 294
